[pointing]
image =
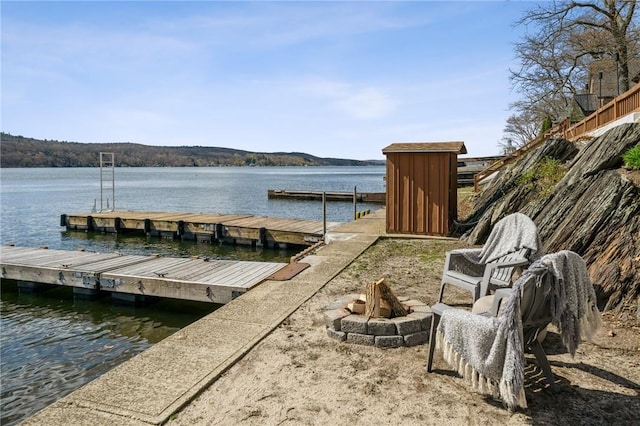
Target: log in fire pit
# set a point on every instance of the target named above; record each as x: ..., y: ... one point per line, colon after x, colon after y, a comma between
x: 378, y: 318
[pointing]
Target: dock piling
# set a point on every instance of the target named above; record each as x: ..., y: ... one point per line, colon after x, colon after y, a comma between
x: 80, y: 293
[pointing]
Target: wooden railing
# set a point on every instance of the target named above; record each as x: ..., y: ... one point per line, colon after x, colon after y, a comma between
x: 557, y: 131
x: 620, y: 106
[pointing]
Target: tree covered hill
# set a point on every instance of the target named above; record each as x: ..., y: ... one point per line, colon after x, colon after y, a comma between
x: 19, y: 151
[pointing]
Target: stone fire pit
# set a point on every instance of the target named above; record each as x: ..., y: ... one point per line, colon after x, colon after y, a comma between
x: 345, y: 325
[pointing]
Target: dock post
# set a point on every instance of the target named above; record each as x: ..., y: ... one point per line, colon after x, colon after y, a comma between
x: 324, y: 215
x: 89, y: 223
x: 117, y: 225
x: 355, y: 202
x: 63, y: 220
x: 219, y: 232
x: 263, y: 237
x: 147, y: 226
x: 181, y: 229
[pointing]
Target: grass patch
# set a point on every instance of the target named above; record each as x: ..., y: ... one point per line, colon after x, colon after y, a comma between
x: 632, y: 158
x: 466, y: 198
x: 433, y: 253
x: 543, y: 176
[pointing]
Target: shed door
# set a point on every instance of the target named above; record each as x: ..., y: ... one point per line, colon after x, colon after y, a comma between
x: 418, y: 193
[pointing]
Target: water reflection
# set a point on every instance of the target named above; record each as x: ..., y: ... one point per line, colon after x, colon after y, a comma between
x: 51, y: 343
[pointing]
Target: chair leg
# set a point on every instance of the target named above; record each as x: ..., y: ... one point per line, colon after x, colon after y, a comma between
x: 543, y: 362
x: 447, y: 261
x: 476, y: 294
x: 441, y: 294
x: 435, y: 319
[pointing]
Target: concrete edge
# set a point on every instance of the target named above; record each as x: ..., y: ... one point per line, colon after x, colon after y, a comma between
x: 232, y: 360
x: 78, y: 409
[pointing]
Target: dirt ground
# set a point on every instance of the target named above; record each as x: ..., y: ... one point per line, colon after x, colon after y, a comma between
x: 299, y: 376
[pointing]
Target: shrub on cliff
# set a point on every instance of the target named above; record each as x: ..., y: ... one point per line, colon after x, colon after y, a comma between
x: 632, y: 158
x: 543, y: 176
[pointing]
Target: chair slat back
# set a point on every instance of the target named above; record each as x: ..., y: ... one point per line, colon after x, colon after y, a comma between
x: 502, y: 276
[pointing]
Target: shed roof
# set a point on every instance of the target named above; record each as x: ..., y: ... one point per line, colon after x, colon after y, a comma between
x: 457, y: 147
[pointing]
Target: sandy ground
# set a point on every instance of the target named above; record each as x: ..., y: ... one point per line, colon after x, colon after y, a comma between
x: 299, y: 376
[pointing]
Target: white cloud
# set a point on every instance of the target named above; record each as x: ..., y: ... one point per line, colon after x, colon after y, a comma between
x: 367, y: 103
x: 328, y: 78
x: 359, y: 102
x: 278, y: 24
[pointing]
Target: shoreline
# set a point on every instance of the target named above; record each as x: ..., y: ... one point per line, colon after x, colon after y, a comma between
x: 289, y: 371
x: 155, y: 384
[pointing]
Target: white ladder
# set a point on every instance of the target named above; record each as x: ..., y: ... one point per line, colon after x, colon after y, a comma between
x: 107, y: 176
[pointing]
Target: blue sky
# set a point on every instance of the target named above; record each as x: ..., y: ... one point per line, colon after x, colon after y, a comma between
x: 332, y: 79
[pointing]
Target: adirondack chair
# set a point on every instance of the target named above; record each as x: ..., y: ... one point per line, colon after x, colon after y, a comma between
x: 536, y: 316
x: 554, y: 289
x: 514, y: 242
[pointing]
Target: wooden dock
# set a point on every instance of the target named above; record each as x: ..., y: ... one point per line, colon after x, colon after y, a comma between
x: 362, y: 197
x: 198, y: 279
x: 230, y: 229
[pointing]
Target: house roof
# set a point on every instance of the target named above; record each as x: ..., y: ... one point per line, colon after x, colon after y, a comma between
x: 588, y: 102
x: 457, y: 147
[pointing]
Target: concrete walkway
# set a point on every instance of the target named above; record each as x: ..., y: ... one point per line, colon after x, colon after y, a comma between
x: 155, y: 384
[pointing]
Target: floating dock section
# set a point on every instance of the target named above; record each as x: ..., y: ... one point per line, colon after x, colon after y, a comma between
x: 362, y: 197
x: 231, y: 229
x: 198, y: 279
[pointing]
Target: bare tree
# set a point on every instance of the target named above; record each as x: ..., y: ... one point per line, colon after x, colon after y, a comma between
x: 520, y: 129
x: 570, y: 35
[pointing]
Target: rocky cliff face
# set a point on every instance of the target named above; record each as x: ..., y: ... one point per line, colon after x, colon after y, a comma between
x: 594, y: 209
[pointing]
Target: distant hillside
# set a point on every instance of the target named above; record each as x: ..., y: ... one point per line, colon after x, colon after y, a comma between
x: 18, y: 151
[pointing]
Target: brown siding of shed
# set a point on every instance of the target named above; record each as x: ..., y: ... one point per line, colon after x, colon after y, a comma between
x: 421, y: 192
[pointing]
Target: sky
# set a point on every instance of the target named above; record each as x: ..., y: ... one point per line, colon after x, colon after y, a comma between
x: 331, y: 79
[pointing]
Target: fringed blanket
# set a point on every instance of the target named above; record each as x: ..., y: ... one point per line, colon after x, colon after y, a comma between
x: 573, y: 301
x: 489, y: 352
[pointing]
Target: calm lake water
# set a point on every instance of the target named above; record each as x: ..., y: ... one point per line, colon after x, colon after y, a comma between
x: 51, y: 343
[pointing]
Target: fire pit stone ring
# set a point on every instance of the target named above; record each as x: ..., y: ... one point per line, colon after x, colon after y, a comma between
x: 410, y: 330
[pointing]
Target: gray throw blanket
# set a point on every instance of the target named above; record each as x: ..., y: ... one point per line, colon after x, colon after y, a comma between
x: 512, y: 233
x: 489, y: 351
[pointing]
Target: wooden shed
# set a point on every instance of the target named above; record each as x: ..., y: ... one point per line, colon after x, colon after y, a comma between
x: 422, y: 193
